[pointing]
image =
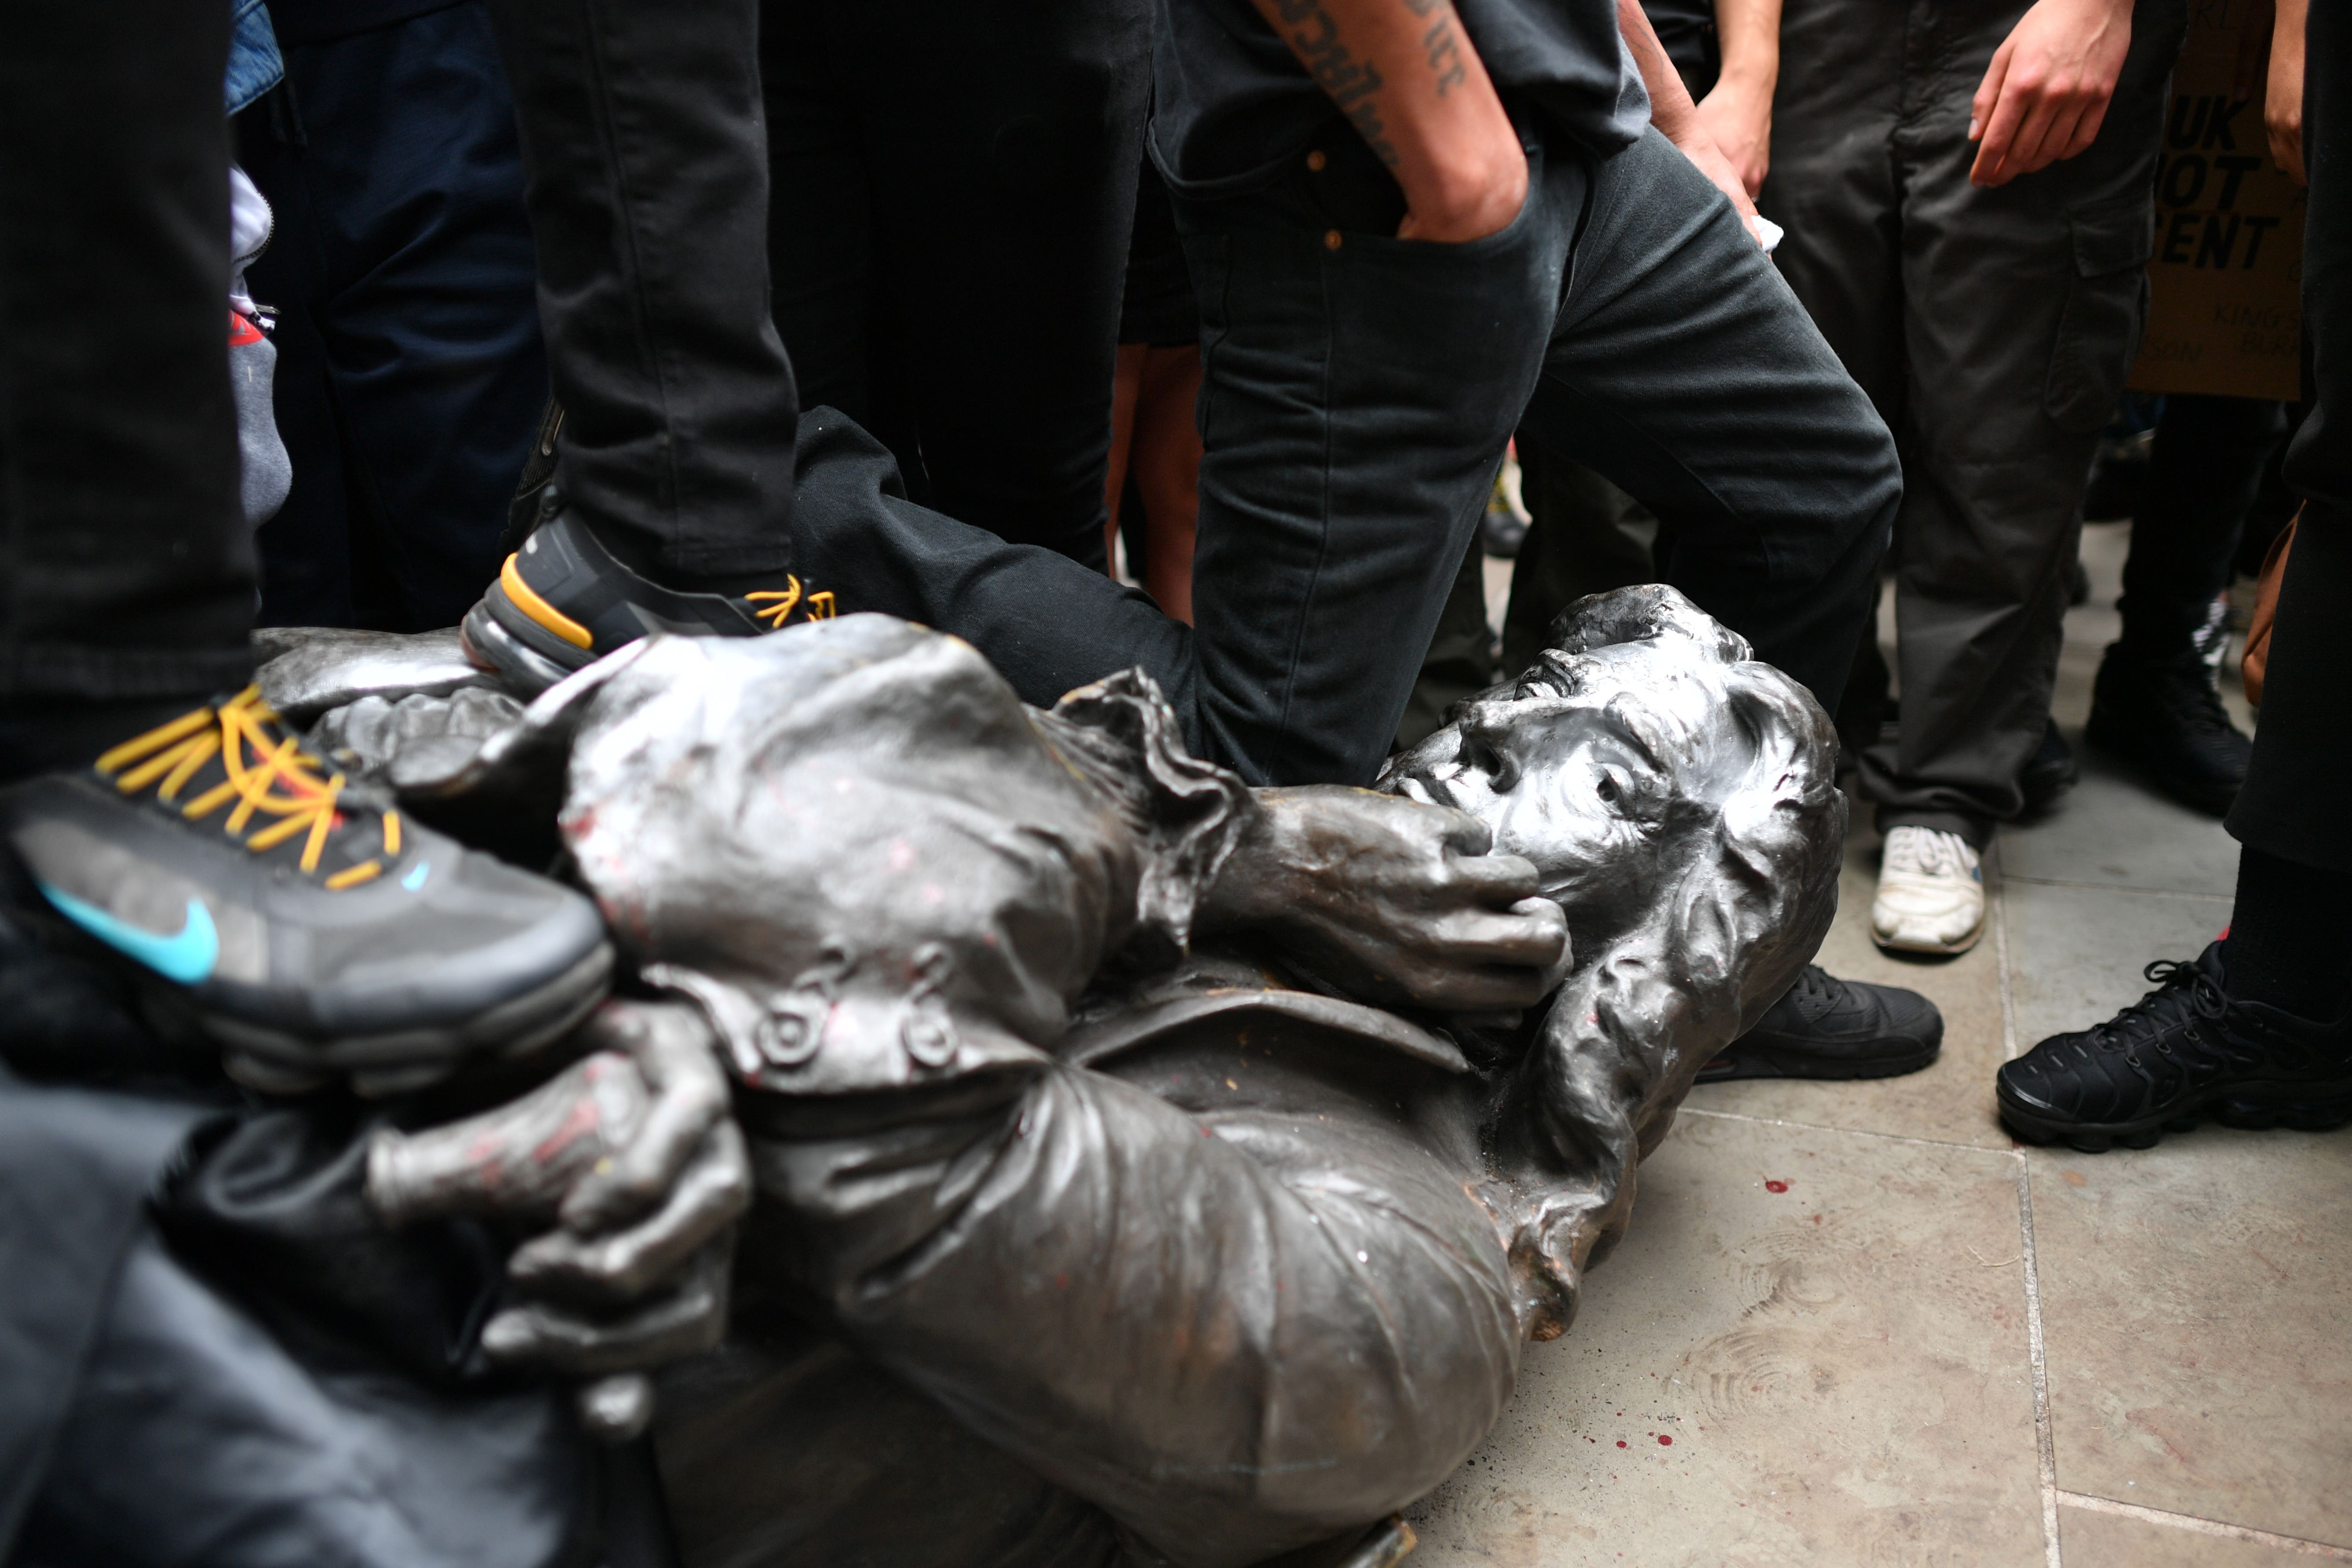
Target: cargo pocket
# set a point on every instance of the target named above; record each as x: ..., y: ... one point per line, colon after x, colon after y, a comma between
x: 2106, y: 306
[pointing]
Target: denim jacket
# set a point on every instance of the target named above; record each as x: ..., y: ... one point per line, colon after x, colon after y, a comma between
x: 254, y: 66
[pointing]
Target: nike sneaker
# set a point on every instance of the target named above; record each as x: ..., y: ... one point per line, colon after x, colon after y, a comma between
x: 313, y: 931
x: 1829, y: 1028
x: 2184, y: 1051
x: 563, y: 601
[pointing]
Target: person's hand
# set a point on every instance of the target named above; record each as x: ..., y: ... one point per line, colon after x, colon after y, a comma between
x: 1699, y: 147
x: 2283, y: 92
x: 1737, y: 118
x: 631, y: 1157
x: 2046, y: 92
x: 1480, y: 199
x: 1392, y: 900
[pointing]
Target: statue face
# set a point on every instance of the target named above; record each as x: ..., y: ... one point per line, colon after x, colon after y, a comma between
x: 1584, y: 765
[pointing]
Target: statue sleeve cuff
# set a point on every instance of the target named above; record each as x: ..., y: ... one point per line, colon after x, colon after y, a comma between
x: 1121, y: 736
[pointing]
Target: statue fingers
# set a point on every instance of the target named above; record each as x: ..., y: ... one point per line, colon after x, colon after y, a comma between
x: 577, y: 1342
x: 702, y: 1201
x: 672, y: 1048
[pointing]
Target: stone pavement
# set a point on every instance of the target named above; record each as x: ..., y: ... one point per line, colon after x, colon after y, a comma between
x: 1858, y: 1324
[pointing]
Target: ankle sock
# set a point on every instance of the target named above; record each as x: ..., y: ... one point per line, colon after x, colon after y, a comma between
x: 2290, y: 943
x: 50, y: 734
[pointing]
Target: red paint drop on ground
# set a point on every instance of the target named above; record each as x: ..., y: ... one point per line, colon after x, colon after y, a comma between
x: 1664, y: 1441
x: 1776, y: 1186
x: 1620, y: 1442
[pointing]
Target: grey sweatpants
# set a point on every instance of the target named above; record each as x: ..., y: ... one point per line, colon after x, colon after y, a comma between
x: 1992, y: 328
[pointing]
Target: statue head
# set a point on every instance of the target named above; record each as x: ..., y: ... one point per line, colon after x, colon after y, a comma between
x: 1644, y: 745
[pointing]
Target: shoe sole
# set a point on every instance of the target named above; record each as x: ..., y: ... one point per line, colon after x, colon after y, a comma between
x: 498, y: 637
x: 399, y: 1060
x: 1941, y: 950
x: 1762, y: 1062
x: 2298, y: 1110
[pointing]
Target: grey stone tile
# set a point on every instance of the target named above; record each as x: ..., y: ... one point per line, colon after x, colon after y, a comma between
x: 1841, y: 1367
x: 2197, y: 1324
x: 2111, y: 830
x: 2075, y: 953
x: 1951, y: 1101
x: 2088, y: 1538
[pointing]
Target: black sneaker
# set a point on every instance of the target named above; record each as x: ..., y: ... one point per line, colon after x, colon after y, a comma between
x: 1831, y: 1028
x: 2168, y: 722
x: 311, y: 928
x: 563, y: 601
x: 2183, y: 1051
x: 2049, y: 772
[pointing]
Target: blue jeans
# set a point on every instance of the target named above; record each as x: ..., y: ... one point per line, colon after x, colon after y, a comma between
x: 410, y: 375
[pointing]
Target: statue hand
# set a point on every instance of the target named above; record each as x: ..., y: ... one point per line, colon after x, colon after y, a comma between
x: 1392, y: 900
x: 632, y: 1154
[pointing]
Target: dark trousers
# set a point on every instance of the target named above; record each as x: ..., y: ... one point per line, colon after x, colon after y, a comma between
x: 649, y: 201
x: 952, y: 191
x: 126, y: 567
x: 1994, y: 329
x: 410, y: 371
x: 1359, y: 390
x: 2203, y: 476
x: 1356, y: 398
x: 2293, y: 805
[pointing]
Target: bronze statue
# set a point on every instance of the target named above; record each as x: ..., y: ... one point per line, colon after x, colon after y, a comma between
x: 1136, y: 1163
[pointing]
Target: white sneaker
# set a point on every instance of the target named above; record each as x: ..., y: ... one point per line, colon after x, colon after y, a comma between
x: 1930, y: 894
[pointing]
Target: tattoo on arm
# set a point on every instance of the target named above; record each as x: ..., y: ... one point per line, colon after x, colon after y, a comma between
x: 1349, y: 83
x: 1444, y: 53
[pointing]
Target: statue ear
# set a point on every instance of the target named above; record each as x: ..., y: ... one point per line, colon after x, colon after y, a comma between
x: 1651, y: 610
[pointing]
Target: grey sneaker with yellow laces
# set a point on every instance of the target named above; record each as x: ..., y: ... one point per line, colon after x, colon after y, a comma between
x: 313, y: 931
x: 564, y: 601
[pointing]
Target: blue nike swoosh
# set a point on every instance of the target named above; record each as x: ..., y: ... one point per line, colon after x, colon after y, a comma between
x: 187, y: 957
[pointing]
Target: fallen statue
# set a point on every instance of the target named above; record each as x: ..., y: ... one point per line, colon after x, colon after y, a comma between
x: 1015, y: 1141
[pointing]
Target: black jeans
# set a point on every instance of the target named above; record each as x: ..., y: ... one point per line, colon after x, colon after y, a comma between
x: 410, y: 372
x: 1357, y: 400
x: 2204, y: 474
x: 951, y: 192
x: 126, y: 567
x: 648, y: 199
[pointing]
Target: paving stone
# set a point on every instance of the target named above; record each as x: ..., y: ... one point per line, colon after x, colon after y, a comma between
x: 2197, y: 1311
x: 2076, y: 954
x: 2092, y: 1539
x: 1832, y: 1372
x: 1951, y: 1101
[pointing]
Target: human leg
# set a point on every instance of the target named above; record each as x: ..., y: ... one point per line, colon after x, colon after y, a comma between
x: 127, y: 564
x: 1682, y: 369
x: 2155, y: 703
x: 1357, y: 391
x: 405, y: 255
x: 648, y: 208
x: 2023, y: 305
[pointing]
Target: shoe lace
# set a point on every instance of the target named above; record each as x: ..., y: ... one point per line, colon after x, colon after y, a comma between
x: 267, y: 773
x: 2183, y: 990
x: 775, y: 606
x: 1928, y: 851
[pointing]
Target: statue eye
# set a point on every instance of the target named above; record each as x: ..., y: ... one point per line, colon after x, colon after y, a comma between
x: 1606, y: 789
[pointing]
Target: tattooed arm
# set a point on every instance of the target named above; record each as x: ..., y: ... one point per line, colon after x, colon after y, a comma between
x: 1408, y: 80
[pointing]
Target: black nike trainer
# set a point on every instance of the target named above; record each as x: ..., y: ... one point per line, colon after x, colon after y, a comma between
x: 313, y: 930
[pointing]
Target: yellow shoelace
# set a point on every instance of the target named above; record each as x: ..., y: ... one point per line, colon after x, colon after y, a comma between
x: 777, y: 604
x: 267, y: 773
